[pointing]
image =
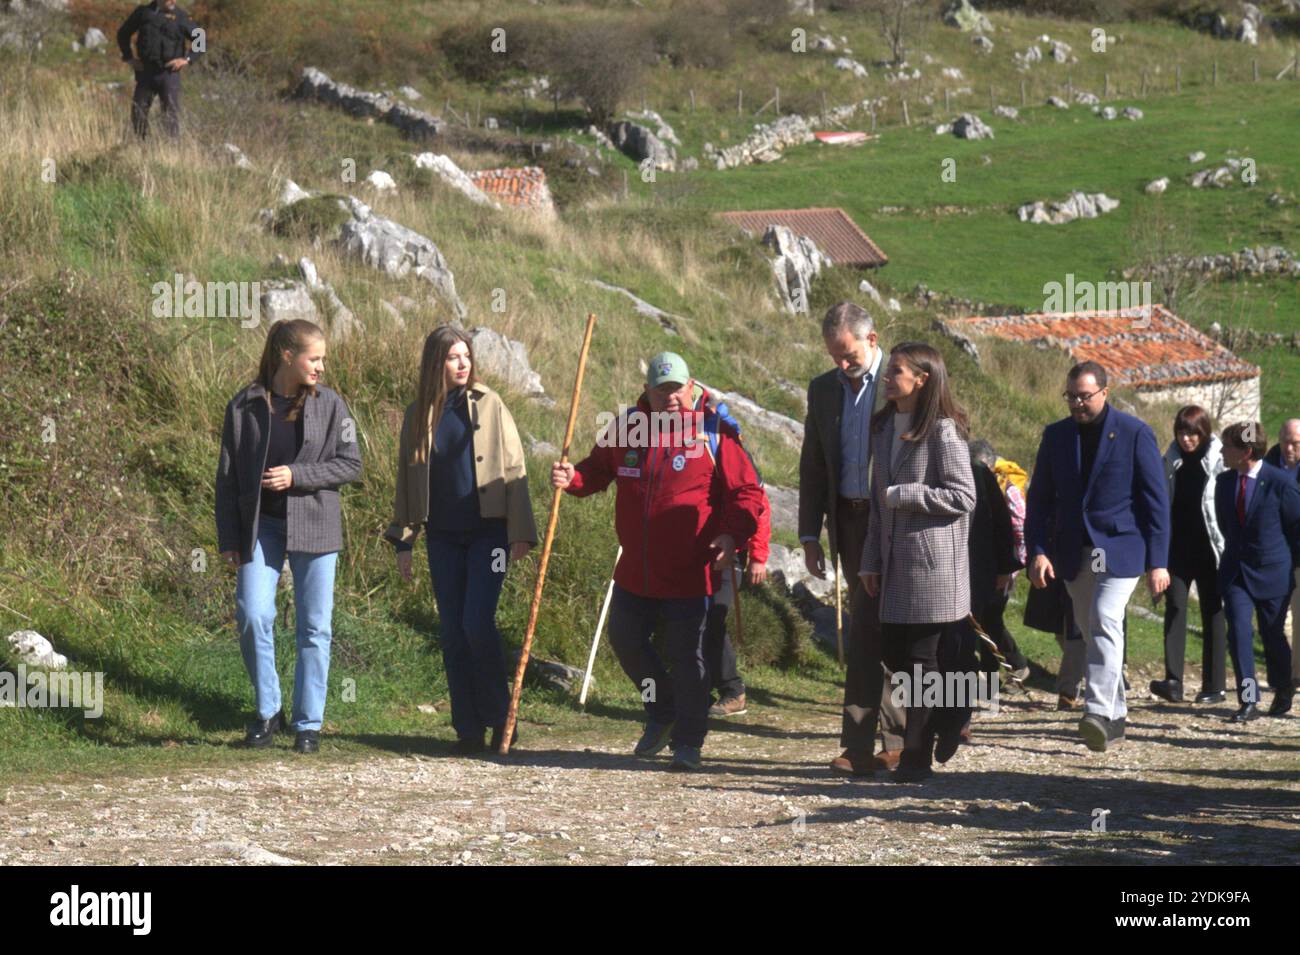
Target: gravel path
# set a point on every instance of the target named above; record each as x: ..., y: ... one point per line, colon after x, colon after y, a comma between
x: 1186, y: 787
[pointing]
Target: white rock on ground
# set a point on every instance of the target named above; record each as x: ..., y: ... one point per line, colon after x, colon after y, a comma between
x: 343, y: 324
x: 798, y: 261
x: 667, y: 320
x: 396, y: 251
x: 1078, y: 205
x: 1156, y: 186
x: 236, y: 156
x: 969, y: 126
x: 35, y: 650
x: 1197, y: 156
x: 507, y: 361
x: 870, y: 291
x: 852, y: 66
x: 94, y: 39
x: 750, y: 413
x: 409, y: 92
x: 1057, y: 102
x: 1006, y: 112
x: 380, y: 181
x: 251, y: 854
x: 639, y: 144
x: 982, y: 43
x: 447, y: 170
x: 1218, y: 177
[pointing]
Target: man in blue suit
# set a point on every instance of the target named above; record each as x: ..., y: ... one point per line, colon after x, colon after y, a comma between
x: 1100, y: 483
x: 1258, y: 507
x: 1286, y: 455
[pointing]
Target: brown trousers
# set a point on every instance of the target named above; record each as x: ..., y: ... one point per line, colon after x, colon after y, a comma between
x: 867, y: 702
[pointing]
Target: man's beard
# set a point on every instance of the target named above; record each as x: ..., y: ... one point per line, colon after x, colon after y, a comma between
x: 856, y: 371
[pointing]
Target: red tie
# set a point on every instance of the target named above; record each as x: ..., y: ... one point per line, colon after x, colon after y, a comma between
x: 1241, y: 502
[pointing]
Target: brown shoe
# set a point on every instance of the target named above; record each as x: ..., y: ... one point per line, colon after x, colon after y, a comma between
x: 1064, y: 702
x: 887, y: 759
x: 731, y: 706
x: 854, y: 762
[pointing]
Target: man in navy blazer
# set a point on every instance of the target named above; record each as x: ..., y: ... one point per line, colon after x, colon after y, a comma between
x: 1099, y: 483
x: 1286, y: 455
x: 1258, y: 507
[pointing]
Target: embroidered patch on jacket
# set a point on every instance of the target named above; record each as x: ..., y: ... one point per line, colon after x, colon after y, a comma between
x: 629, y: 472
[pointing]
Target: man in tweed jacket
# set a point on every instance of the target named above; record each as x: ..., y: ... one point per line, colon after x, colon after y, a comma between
x: 835, y: 490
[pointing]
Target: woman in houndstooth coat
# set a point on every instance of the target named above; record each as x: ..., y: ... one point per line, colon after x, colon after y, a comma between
x: 916, y: 555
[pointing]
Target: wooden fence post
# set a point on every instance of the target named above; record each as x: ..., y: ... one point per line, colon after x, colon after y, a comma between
x: 1022, y: 92
x: 1178, y: 78
x: 907, y: 121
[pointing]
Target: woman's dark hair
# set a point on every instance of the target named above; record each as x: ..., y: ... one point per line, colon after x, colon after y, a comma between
x: 432, y: 394
x: 1193, y: 419
x: 935, y: 399
x: 295, y: 336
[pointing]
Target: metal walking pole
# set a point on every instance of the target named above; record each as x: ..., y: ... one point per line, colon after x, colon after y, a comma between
x: 600, y: 625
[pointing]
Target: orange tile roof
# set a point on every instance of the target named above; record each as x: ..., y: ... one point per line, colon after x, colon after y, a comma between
x: 1165, y: 352
x: 524, y: 186
x: 836, y: 235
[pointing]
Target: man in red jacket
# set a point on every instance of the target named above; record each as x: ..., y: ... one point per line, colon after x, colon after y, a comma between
x: 683, y: 507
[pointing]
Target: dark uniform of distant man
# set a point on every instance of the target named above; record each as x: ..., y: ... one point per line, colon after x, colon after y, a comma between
x: 161, y: 30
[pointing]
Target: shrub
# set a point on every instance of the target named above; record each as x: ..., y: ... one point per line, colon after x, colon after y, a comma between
x: 310, y: 218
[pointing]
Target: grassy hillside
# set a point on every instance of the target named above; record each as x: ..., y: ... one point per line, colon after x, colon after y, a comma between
x: 107, y: 526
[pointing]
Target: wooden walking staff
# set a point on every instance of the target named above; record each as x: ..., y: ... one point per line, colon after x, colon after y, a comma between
x: 513, y: 713
x: 600, y: 625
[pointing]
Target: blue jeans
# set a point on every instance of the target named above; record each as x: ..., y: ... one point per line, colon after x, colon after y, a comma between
x: 468, y: 569
x: 313, y: 599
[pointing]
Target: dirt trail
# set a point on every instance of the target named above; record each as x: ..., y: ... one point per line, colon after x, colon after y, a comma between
x: 1186, y: 787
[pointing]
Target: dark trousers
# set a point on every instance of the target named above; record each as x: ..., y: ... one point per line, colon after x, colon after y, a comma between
x: 1214, y: 624
x: 682, y: 696
x: 167, y: 86
x: 1239, y: 605
x: 990, y: 617
x: 864, y: 681
x: 936, y: 648
x: 720, y: 655
x: 467, y: 586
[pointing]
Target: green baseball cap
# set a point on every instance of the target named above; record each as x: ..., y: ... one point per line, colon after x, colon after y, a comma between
x: 667, y: 367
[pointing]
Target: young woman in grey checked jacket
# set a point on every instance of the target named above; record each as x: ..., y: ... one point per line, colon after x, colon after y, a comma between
x: 916, y: 555
x: 287, y: 445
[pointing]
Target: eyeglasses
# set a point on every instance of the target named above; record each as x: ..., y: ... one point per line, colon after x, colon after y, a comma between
x: 1074, y: 399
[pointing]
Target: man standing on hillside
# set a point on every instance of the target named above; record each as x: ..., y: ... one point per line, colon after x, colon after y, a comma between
x: 688, y: 495
x: 1100, y: 484
x: 161, y: 30
x: 1286, y: 455
x: 834, y: 489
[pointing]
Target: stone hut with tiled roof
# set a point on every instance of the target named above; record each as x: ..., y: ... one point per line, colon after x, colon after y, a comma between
x: 1157, y: 355
x: 834, y: 233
